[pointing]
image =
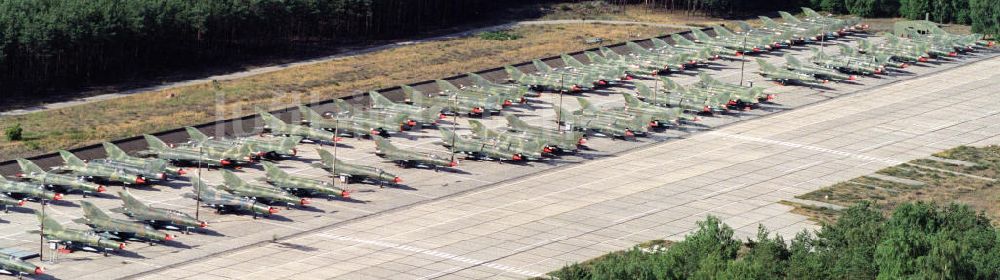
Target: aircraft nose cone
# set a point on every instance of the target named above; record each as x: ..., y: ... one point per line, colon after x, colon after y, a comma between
x: 21, y: 203
x: 225, y: 162
x: 19, y: 175
x: 168, y: 237
x: 203, y: 224
x: 629, y: 133
x: 336, y: 139
x: 121, y: 246
x: 303, y: 201
x: 140, y: 180
x: 58, y: 196
x: 163, y: 176
x: 507, y: 103
x: 397, y: 180
x: 295, y: 152
x: 582, y: 141
x: 101, y: 189
x: 272, y: 210
x: 181, y: 171
x: 852, y: 77
x: 516, y: 157
x: 547, y: 150
x: 452, y: 164
x: 411, y: 123
x: 38, y: 271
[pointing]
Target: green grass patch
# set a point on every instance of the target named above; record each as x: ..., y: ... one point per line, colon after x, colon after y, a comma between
x: 499, y: 35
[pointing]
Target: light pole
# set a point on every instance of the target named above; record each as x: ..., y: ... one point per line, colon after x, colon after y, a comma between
x: 562, y: 91
x: 197, y: 201
x: 743, y: 61
x: 336, y: 133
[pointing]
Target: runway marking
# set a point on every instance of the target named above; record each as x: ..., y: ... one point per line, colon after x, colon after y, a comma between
x: 439, y: 254
x: 804, y: 146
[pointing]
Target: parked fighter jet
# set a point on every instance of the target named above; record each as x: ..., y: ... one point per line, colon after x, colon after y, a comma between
x: 683, y: 43
x: 99, y: 170
x: 454, y: 103
x: 416, y: 115
x: 25, y: 190
x: 232, y: 156
x: 782, y: 76
x: 474, y: 148
x: 407, y: 158
x: 793, y: 64
x: 299, y: 185
x: 159, y: 217
x: 847, y: 63
x: 656, y: 116
x: 118, y: 228
x: 738, y: 46
x: 604, y: 123
x: 527, y: 147
x: 18, y: 267
x: 222, y: 201
x: 349, y: 172
x: 505, y: 96
x: 561, y: 140
x: 556, y: 83
x: 600, y: 77
x: 744, y: 95
x: 276, y: 126
x: 237, y: 186
x: 512, y: 92
x: 76, y: 239
x: 275, y: 147
x: 151, y: 165
x: 35, y: 174
x: 354, y: 124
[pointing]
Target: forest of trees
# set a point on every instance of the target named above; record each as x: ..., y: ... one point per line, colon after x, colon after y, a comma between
x: 918, y: 241
x: 78, y: 41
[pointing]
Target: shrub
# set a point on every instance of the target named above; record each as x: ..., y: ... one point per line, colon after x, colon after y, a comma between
x: 14, y: 133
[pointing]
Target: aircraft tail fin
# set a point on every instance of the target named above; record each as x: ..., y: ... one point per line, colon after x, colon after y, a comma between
x: 586, y: 105
x: 766, y: 66
x: 448, y: 136
x: 231, y: 179
x: 447, y: 86
x: 341, y: 106
x: 789, y: 17
x: 378, y: 100
x: 270, y: 120
x: 700, y: 35
x: 325, y: 156
x: 541, y: 66
x: 49, y: 223
x: 70, y: 158
x: 643, y: 90
x: 515, y: 122
x: 415, y: 96
x: 595, y: 58
x: 572, y: 62
x: 659, y: 43
x: 309, y: 114
x: 770, y: 23
x: 744, y: 26
x: 29, y: 167
x: 195, y: 134
x: 513, y: 73
x: 91, y: 212
x: 113, y: 151
x: 477, y: 128
x: 129, y: 200
x: 680, y: 40
x: 273, y: 171
x: 155, y: 143
x: 722, y: 31
x: 636, y: 48
x: 479, y: 80
x: 609, y: 53
x: 630, y: 100
x: 565, y: 115
x: 810, y: 12
x: 383, y: 145
x: 668, y: 83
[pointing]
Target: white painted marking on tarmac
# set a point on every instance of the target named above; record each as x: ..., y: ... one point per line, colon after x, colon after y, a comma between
x: 803, y: 167
x: 806, y: 147
x: 439, y: 254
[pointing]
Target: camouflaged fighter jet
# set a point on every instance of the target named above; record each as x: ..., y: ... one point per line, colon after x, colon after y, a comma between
x: 601, y: 78
x: 911, y: 55
x: 793, y: 64
x: 65, y: 183
x: 611, y: 124
x: 786, y: 36
x: 801, y: 34
x: 99, y: 170
x: 741, y: 47
x: 525, y: 146
x: 851, y: 24
x: 683, y: 43
x: 566, y: 141
x: 555, y: 83
x: 7, y: 202
x: 685, y: 59
x: 744, y: 95
x: 150, y: 165
x: 847, y: 63
x: 275, y: 147
x: 157, y: 217
x: 223, y: 201
x: 18, y: 267
x: 513, y: 92
x: 276, y: 126
x: 355, y: 124
x: 621, y: 73
x: 415, y: 115
x: 272, y: 195
x: 231, y: 157
x: 878, y: 60
x: 408, y: 158
x: 349, y: 172
x: 475, y: 149
x: 26, y: 190
x: 301, y: 186
x: 644, y: 66
x: 676, y: 96
x: 73, y: 239
x: 655, y: 115
x: 699, y: 54
x: 469, y: 105
x: 924, y: 47
x: 633, y: 68
x: 783, y: 77
x: 119, y: 229
x: 504, y: 97
x: 768, y: 40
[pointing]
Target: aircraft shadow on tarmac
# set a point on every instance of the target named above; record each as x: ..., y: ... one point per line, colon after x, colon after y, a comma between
x: 63, y: 203
x: 206, y: 231
x: 297, y: 247
x: 175, y: 244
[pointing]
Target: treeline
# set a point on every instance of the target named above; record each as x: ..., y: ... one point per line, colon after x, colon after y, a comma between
x: 918, y: 241
x: 983, y: 15
x: 45, y: 42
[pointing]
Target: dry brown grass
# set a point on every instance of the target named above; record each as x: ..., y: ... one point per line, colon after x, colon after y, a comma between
x: 945, y: 183
x: 155, y: 111
x: 821, y: 215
